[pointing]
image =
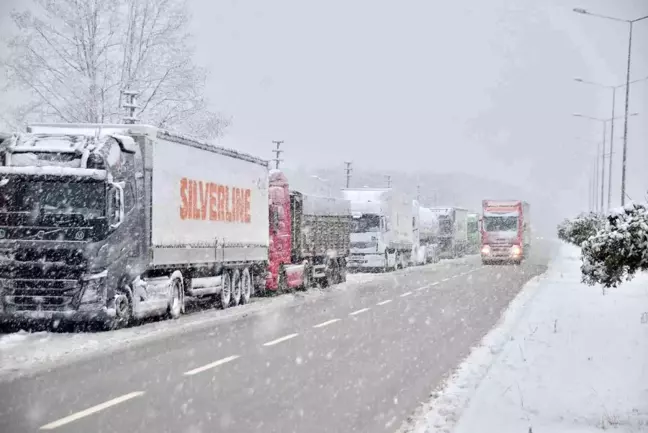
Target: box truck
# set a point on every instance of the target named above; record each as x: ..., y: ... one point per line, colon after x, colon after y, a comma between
x: 381, y: 233
x: 505, y: 231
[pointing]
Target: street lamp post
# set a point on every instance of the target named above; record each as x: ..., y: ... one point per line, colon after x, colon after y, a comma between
x: 627, y: 89
x: 614, y: 89
x: 601, y: 153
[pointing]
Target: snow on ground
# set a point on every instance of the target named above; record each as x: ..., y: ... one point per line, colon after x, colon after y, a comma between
x: 25, y: 353
x: 564, y: 358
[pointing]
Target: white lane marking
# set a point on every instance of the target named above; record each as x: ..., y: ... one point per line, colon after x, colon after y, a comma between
x: 421, y: 288
x: 405, y: 294
x: 436, y: 283
x: 445, y: 279
x: 328, y: 322
x: 91, y: 410
x: 280, y: 340
x: 362, y: 310
x: 386, y: 301
x: 211, y: 365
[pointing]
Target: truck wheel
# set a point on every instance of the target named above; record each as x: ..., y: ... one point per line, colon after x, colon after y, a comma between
x: 236, y: 287
x: 282, y: 282
x: 123, y: 310
x: 246, y: 286
x: 175, y: 308
x: 226, y: 290
x: 306, y: 278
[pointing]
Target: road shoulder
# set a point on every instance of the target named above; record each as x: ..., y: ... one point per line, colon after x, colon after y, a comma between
x: 564, y: 357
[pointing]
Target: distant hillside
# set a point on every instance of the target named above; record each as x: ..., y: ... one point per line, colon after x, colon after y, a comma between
x: 459, y: 190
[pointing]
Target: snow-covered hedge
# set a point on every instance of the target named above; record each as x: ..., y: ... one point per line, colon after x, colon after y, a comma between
x: 581, y: 228
x: 619, y: 249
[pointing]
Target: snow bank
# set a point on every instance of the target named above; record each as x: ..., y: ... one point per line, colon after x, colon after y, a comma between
x: 564, y: 358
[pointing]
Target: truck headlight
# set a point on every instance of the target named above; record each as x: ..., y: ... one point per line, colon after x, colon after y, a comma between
x: 485, y: 250
x: 94, y: 290
x: 516, y: 250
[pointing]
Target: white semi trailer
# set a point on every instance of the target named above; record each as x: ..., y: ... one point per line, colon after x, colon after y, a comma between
x: 110, y: 223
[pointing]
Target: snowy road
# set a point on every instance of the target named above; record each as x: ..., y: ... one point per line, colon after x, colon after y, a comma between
x: 359, y: 359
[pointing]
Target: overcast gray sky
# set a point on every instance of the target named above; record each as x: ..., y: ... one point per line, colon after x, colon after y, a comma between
x: 475, y: 86
x: 471, y: 85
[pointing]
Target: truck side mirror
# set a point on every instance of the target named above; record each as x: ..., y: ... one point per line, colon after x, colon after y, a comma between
x: 116, y: 197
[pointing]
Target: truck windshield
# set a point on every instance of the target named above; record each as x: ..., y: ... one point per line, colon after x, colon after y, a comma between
x: 445, y: 225
x: 54, y: 197
x: 500, y: 223
x: 365, y: 224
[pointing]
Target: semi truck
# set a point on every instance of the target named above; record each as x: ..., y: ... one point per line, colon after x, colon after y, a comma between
x: 309, y: 238
x: 418, y: 250
x: 474, y: 234
x: 505, y: 231
x: 429, y: 232
x: 381, y: 235
x: 453, y: 231
x: 107, y: 224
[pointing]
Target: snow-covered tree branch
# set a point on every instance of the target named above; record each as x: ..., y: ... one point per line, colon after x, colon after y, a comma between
x: 581, y: 228
x: 619, y: 249
x: 72, y: 58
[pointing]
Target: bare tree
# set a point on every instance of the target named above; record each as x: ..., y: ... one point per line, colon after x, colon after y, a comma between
x: 72, y: 58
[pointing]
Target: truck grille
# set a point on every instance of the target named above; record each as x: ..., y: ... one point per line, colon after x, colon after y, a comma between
x: 41, y: 279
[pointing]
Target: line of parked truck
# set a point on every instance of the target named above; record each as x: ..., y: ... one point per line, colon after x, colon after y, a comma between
x: 107, y: 224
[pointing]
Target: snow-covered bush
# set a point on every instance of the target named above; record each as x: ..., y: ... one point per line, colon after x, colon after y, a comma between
x: 619, y: 249
x: 581, y: 228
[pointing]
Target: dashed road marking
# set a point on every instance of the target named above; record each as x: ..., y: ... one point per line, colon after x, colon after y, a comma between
x: 328, y: 322
x: 405, y: 294
x: 211, y: 365
x: 445, y: 279
x: 362, y: 310
x: 386, y: 301
x: 280, y: 340
x: 91, y: 410
x: 436, y: 283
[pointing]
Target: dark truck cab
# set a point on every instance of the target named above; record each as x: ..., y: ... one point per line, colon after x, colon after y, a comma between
x: 62, y: 237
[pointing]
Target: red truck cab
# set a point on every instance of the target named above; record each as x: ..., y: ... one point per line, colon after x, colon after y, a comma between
x: 505, y: 231
x: 281, y: 272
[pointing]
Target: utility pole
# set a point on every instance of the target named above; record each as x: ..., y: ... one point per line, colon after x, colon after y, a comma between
x: 388, y: 181
x: 348, y: 171
x: 277, y: 153
x: 418, y: 193
x: 130, y: 105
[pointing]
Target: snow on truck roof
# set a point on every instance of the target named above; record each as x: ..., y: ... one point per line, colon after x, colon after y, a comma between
x: 317, y: 205
x: 122, y: 130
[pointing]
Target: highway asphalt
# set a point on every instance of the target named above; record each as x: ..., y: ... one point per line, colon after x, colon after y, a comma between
x: 356, y: 360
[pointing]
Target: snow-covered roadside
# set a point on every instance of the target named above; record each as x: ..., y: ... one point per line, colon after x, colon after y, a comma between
x: 564, y: 358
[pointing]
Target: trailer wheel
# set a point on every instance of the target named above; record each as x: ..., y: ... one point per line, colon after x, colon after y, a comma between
x: 330, y: 273
x: 246, y: 286
x: 175, y: 308
x: 342, y: 271
x: 236, y: 287
x: 226, y: 290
